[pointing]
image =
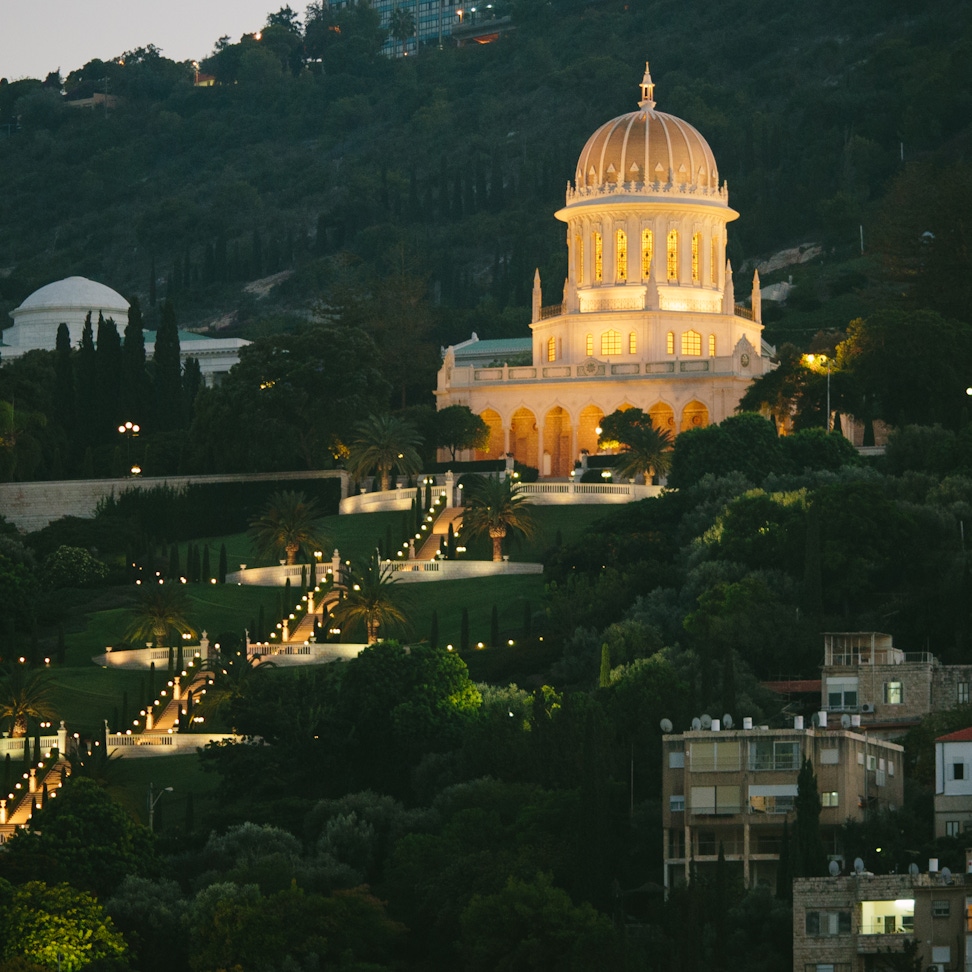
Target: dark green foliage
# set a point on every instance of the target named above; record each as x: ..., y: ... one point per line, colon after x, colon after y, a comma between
x: 808, y: 856
x: 434, y: 630
x: 464, y: 630
x: 169, y: 411
x: 221, y: 572
x: 494, y: 632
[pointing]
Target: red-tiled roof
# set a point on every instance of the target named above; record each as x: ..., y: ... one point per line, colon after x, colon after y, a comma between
x: 963, y: 735
x: 794, y: 685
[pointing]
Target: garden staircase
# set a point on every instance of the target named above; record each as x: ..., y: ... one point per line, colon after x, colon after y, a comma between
x: 440, y: 528
x: 305, y: 627
x: 19, y: 808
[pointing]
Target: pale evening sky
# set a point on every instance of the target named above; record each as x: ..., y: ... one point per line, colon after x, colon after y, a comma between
x: 40, y: 36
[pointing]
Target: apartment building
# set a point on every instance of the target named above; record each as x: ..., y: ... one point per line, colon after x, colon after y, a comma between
x: 864, y: 674
x: 953, y: 784
x: 734, y: 789
x: 864, y: 922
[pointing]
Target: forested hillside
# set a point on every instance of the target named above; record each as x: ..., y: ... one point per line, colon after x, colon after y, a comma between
x: 314, y: 154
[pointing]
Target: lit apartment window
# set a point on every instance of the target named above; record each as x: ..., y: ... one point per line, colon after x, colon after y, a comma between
x: 551, y: 349
x: 829, y: 798
x: 589, y: 345
x: 825, y: 924
x: 673, y: 255
x: 632, y: 343
x: 622, y: 256
x: 670, y: 342
x: 598, y: 258
x: 611, y: 342
x: 893, y: 693
x: 691, y: 343
x: 696, y: 257
x: 579, y: 250
x: 963, y: 693
x: 711, y: 345
x: 647, y: 244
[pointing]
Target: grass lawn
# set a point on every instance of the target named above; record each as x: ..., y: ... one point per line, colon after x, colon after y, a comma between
x: 84, y: 697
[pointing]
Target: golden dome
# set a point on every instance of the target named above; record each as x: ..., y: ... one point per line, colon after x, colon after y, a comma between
x: 646, y: 151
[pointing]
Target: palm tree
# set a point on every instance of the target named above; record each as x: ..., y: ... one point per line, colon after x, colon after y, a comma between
x: 645, y: 449
x: 401, y: 25
x: 384, y: 442
x: 288, y: 522
x: 24, y: 694
x: 231, y: 675
x: 495, y: 508
x: 374, y: 599
x: 160, y: 609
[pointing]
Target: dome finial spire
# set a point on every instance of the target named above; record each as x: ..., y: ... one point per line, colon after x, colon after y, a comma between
x: 647, y: 102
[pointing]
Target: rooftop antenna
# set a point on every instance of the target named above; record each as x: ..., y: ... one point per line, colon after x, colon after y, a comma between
x: 706, y: 720
x: 913, y: 869
x: 946, y: 875
x: 696, y: 723
x: 845, y: 721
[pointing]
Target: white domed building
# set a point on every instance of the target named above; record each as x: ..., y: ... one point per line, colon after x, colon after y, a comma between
x: 648, y: 317
x: 70, y: 300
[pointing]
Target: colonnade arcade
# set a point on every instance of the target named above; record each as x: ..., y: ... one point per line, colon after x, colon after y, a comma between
x: 553, y: 440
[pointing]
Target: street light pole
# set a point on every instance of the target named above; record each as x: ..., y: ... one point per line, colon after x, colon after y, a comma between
x: 152, y: 801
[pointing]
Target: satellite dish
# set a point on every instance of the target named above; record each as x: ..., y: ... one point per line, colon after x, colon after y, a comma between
x: 834, y: 869
x: 666, y: 725
x: 727, y: 721
x: 696, y: 723
x: 706, y: 720
x: 845, y: 721
x: 858, y: 865
x: 946, y: 876
x: 913, y: 870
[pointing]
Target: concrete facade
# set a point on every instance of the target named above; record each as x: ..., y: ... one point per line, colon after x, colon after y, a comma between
x: 735, y: 789
x: 849, y: 923
x: 953, y: 783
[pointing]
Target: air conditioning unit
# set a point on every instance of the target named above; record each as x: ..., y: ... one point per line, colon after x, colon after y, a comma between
x: 936, y: 968
x: 867, y: 707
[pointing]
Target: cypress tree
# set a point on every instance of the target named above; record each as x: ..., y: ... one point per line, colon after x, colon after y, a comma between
x: 784, y: 870
x: 451, y: 543
x: 464, y: 631
x: 170, y: 663
x: 206, y: 573
x: 428, y: 494
x: 222, y: 563
x: 169, y: 414
x: 434, y: 630
x: 86, y: 386
x: 134, y: 380
x: 151, y: 682
x: 808, y: 855
x: 64, y: 380
x: 108, y: 369
x: 37, y: 748
x: 192, y: 383
x: 174, y: 562
x: 494, y: 637
x: 180, y: 660
x: 419, y: 511
x: 604, y: 677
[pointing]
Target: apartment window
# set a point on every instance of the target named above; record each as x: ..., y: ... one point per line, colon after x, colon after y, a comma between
x: 711, y: 757
x: 890, y: 767
x: 598, y: 258
x: 632, y: 343
x: 888, y: 917
x: 589, y: 345
x: 711, y: 345
x: 579, y: 250
x: 716, y: 800
x: 673, y: 255
x: 772, y: 798
x: 611, y: 342
x: 622, y: 245
x: 769, y: 754
x: 696, y: 257
x: 670, y: 342
x: 841, y: 694
x: 829, y: 798
x: 872, y: 763
x: 824, y: 924
x: 551, y: 349
x: 893, y: 693
x: 941, y: 908
x: 963, y: 693
x: 691, y: 343
x: 676, y: 804
x: 647, y: 245
x: 953, y: 828
x: 958, y: 771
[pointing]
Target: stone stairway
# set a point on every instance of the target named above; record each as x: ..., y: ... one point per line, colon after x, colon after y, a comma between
x: 305, y: 627
x: 16, y: 812
x: 440, y: 529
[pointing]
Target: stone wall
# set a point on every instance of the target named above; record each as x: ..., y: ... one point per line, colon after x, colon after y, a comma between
x: 31, y: 506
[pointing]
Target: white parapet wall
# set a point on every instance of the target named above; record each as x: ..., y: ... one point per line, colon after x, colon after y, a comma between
x: 292, y: 654
x: 411, y: 571
x: 380, y: 502
x: 135, y: 744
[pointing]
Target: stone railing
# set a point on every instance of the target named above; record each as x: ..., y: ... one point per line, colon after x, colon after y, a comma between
x: 554, y: 310
x: 15, y: 747
x: 554, y: 494
x: 163, y: 744
x: 413, y: 571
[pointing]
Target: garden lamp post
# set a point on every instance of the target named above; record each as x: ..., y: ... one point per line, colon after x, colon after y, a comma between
x: 152, y: 801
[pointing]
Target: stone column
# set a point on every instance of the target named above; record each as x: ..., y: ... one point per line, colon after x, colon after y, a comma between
x: 450, y: 488
x: 336, y: 565
x: 149, y: 718
x: 177, y: 688
x: 285, y: 630
x: 506, y: 440
x: 310, y: 604
x: 32, y: 781
x: 204, y: 646
x: 3, y: 810
x: 62, y: 740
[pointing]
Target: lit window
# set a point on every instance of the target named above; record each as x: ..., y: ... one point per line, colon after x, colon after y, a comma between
x: 647, y: 244
x: 963, y: 693
x: 893, y: 693
x: 622, y: 256
x: 829, y: 798
x: 589, y: 345
x: 598, y: 258
x: 670, y: 342
x: 711, y: 345
x: 713, y: 262
x: 579, y: 250
x: 632, y: 343
x: 673, y: 255
x: 691, y: 343
x: 551, y: 349
x: 611, y: 342
x: 696, y: 257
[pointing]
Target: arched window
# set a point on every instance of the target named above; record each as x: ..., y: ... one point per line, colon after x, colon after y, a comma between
x: 579, y: 256
x: 551, y: 349
x: 696, y: 257
x: 691, y: 343
x: 611, y: 342
x: 711, y: 345
x: 589, y: 345
x: 714, y: 262
x: 673, y: 254
x: 598, y: 258
x: 647, y: 244
x: 622, y: 256
x: 632, y: 343
x: 670, y: 342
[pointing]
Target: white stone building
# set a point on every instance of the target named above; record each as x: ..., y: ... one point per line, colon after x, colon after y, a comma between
x: 648, y: 316
x: 68, y: 301
x: 953, y: 783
